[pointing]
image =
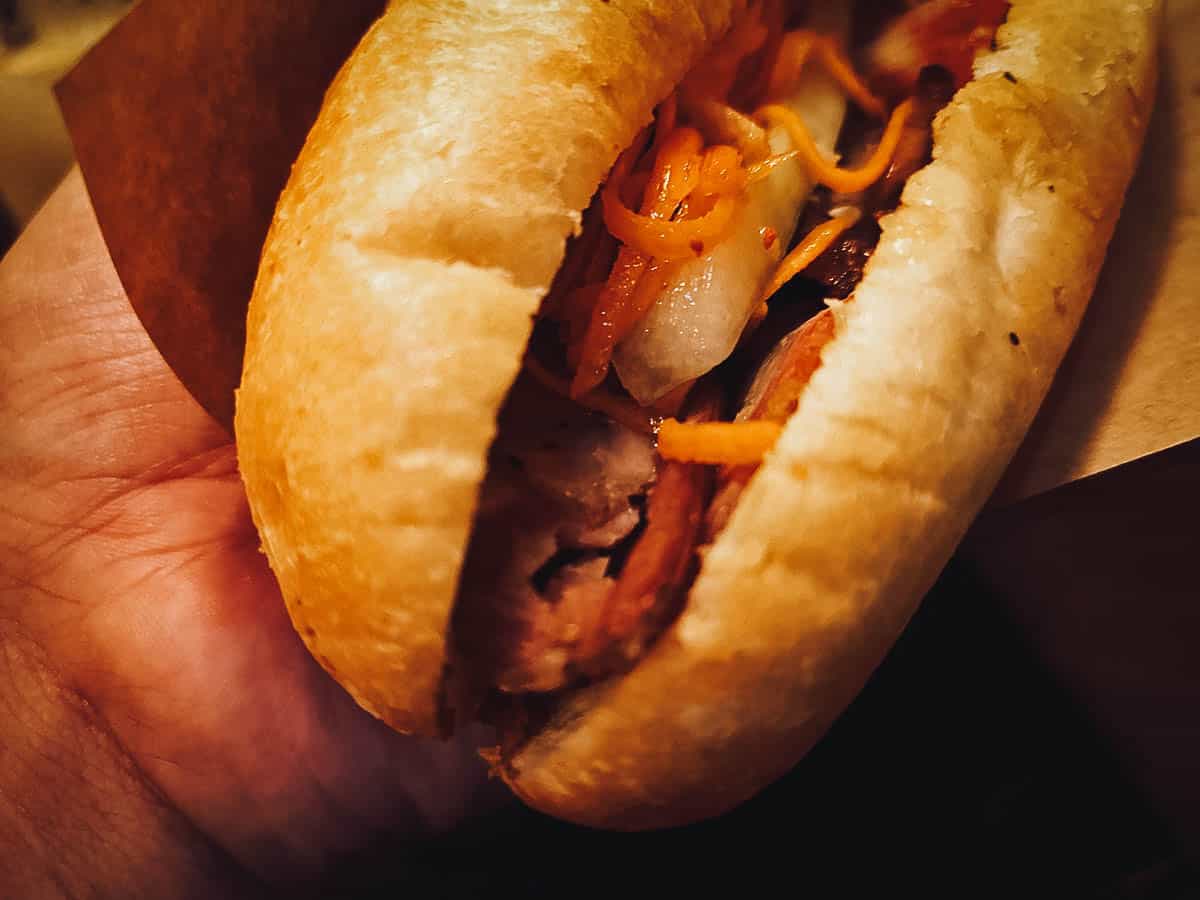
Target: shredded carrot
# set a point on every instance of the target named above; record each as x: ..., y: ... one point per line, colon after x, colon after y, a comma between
x: 721, y: 123
x: 687, y: 202
x: 843, y: 73
x: 846, y: 181
x: 666, y: 239
x: 717, y: 443
x: 676, y: 173
x: 632, y: 189
x: 620, y: 410
x: 721, y: 171
x: 808, y: 249
x: 664, y: 123
x: 793, y: 55
x: 697, y: 205
x: 591, y: 354
x: 618, y: 313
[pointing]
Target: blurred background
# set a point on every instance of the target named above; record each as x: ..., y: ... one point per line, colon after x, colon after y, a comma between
x: 39, y: 41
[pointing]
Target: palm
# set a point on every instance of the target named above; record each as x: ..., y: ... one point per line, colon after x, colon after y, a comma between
x: 126, y: 527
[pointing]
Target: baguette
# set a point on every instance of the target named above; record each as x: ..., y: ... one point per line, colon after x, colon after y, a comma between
x: 421, y: 230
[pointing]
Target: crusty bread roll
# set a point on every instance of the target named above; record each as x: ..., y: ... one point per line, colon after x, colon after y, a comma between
x: 422, y: 226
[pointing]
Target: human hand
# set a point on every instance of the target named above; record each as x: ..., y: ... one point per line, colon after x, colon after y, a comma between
x: 130, y: 572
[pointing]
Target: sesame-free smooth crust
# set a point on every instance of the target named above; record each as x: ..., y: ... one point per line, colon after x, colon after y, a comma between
x: 422, y: 226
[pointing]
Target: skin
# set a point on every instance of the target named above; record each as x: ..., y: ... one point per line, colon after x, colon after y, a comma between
x: 165, y: 731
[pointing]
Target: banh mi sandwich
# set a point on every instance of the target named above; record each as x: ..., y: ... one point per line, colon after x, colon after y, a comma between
x: 621, y: 374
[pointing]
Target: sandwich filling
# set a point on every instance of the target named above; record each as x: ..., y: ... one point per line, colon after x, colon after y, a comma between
x: 689, y: 314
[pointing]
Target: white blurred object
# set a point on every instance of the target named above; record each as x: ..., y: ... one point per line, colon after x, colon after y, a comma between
x: 40, y: 40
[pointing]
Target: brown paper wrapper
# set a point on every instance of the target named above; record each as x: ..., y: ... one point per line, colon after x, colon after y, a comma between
x: 1130, y: 386
x: 187, y: 117
x: 185, y: 120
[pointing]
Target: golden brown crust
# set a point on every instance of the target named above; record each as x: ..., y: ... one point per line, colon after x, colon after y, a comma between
x: 965, y: 312
x: 421, y: 226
